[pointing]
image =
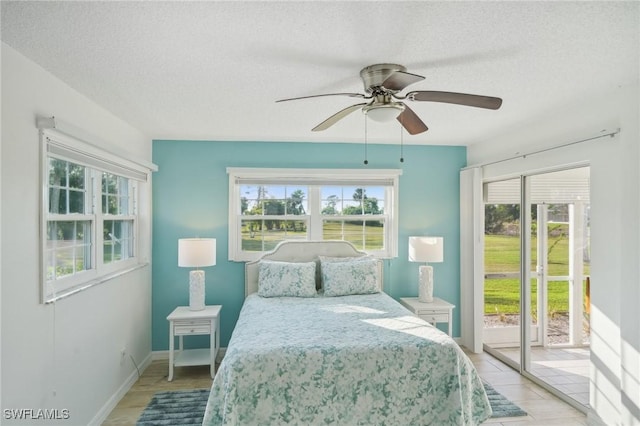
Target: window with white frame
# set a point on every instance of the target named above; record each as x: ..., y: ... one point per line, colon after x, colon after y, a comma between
x: 267, y: 206
x: 89, y: 217
x: 119, y: 218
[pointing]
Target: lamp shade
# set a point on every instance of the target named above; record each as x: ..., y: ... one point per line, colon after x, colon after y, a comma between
x: 426, y: 249
x: 196, y: 252
x: 384, y: 112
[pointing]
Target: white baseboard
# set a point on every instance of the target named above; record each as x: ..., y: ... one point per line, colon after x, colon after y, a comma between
x: 156, y: 355
x: 111, y: 403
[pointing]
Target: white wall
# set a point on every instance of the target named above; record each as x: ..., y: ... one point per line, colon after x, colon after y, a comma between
x: 67, y: 355
x: 615, y: 239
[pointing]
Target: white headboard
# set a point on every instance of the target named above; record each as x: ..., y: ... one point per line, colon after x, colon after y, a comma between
x: 301, y: 251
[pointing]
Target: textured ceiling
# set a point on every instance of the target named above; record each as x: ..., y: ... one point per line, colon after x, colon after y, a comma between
x: 213, y: 70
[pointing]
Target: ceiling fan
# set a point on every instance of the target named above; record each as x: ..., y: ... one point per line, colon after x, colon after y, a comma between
x: 383, y: 82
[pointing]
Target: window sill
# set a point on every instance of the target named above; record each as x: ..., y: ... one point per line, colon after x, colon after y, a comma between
x: 84, y: 286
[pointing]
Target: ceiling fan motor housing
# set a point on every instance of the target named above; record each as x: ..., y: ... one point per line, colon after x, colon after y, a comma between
x: 374, y: 75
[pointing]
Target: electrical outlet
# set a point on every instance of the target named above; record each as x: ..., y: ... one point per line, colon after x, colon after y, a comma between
x: 123, y: 354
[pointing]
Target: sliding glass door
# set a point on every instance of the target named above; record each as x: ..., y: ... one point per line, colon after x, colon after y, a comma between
x: 536, y: 296
x: 502, y: 259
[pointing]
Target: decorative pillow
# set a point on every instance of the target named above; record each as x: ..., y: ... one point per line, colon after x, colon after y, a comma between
x: 332, y: 259
x: 351, y: 277
x: 279, y: 279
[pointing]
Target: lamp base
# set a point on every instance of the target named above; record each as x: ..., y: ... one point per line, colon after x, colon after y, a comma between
x: 425, y: 284
x: 196, y: 290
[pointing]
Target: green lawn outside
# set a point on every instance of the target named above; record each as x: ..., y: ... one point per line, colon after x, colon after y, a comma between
x: 502, y: 296
x: 502, y: 255
x: 332, y: 230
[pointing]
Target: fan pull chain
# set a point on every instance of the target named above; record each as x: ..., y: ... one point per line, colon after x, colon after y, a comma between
x: 401, y: 143
x: 365, y: 140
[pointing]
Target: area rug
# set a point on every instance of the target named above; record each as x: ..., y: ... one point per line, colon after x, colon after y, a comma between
x: 174, y: 408
x: 500, y: 405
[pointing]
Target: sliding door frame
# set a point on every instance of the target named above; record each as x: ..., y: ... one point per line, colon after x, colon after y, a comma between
x: 524, y: 366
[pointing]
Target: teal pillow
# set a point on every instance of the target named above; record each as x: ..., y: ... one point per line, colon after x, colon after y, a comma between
x: 286, y: 279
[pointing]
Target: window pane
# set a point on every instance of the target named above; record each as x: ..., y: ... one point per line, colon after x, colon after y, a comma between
x: 272, y: 207
x: 64, y: 262
x: 332, y: 205
x: 261, y: 235
x: 296, y: 202
x: 115, y: 194
x: 329, y: 191
x: 352, y: 207
x: 117, y: 240
x: 76, y: 201
x: 76, y: 176
x: 57, y: 172
x: 81, y: 258
x: 365, y: 235
x: 109, y: 204
x: 273, y: 200
x: 350, y: 200
x: 66, y: 187
x: 68, y: 249
x: 57, y: 201
x: 109, y: 182
x: 66, y: 232
x: 374, y: 235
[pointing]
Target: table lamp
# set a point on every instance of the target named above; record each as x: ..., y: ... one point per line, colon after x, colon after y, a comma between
x: 426, y: 249
x: 196, y: 253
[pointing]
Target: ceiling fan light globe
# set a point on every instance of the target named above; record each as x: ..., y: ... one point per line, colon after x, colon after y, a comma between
x: 384, y: 113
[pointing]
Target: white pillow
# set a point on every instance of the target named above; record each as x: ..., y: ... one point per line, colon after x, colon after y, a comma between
x: 281, y: 279
x: 333, y: 259
x: 351, y: 277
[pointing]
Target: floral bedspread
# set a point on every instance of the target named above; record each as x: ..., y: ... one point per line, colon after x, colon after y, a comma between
x: 350, y: 360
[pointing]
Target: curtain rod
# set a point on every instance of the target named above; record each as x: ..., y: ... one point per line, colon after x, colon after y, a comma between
x: 609, y: 133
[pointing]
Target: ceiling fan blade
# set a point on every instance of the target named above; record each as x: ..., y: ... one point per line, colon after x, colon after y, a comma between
x: 456, y: 98
x: 411, y: 122
x: 401, y: 79
x: 337, y: 117
x: 352, y: 95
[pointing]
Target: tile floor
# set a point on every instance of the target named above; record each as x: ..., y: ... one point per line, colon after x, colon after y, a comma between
x: 543, y: 408
x: 566, y: 369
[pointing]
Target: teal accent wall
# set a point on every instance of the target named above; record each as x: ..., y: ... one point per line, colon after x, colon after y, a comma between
x: 190, y: 199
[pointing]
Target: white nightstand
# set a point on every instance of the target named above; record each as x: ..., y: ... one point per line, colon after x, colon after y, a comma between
x: 438, y: 311
x: 184, y: 322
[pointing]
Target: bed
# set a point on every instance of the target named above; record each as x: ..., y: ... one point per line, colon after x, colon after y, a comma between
x: 344, y: 354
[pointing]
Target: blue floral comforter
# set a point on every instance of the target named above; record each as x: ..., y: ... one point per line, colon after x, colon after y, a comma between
x: 350, y: 360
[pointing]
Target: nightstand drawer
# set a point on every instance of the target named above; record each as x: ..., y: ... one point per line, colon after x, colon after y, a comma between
x: 434, y: 317
x: 438, y: 311
x: 192, y: 327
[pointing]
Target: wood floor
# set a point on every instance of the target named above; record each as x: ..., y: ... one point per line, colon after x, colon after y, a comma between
x: 543, y: 408
x: 152, y: 380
